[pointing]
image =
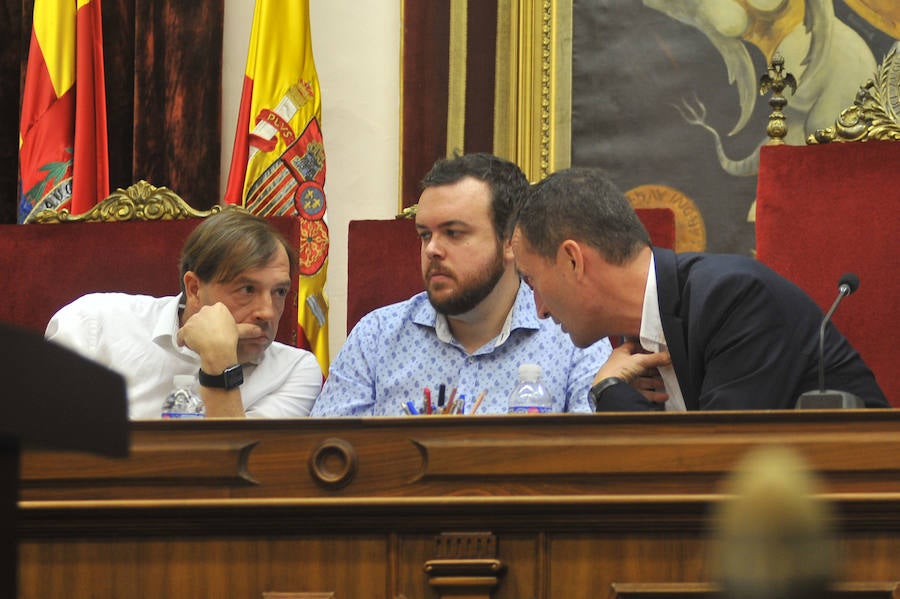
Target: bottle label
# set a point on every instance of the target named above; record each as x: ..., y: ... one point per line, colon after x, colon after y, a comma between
x: 529, y: 410
x: 180, y: 415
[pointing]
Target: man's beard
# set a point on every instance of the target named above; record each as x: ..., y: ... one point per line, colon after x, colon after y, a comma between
x: 472, y: 293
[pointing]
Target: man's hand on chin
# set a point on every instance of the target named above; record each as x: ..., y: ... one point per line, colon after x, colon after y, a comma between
x: 250, y: 331
x: 213, y: 334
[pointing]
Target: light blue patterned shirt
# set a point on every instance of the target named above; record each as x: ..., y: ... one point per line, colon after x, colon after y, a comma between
x: 394, y: 352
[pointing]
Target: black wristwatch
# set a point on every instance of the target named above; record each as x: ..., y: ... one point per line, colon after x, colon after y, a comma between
x: 231, y: 377
x: 598, y: 389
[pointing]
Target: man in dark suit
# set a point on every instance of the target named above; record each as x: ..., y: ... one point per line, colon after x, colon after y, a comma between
x: 724, y: 332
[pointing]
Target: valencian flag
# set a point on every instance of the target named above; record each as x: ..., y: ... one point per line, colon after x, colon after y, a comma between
x: 278, y: 164
x: 63, y: 152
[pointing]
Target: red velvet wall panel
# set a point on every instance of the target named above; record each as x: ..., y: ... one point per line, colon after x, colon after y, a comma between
x: 426, y: 76
x: 825, y: 210
x: 426, y: 35
x: 45, y: 267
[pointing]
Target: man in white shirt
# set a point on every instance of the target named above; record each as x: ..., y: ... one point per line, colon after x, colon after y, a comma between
x: 236, y: 272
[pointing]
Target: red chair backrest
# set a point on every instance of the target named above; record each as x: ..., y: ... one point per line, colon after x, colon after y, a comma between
x: 825, y: 210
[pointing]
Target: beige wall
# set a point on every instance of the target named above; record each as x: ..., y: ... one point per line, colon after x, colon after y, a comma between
x: 357, y: 52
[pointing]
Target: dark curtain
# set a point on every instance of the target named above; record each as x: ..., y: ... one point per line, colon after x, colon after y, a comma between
x: 163, y: 62
x: 12, y: 48
x: 426, y: 44
x: 426, y: 53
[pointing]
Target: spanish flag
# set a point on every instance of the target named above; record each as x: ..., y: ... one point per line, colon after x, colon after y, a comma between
x: 278, y: 163
x: 63, y: 151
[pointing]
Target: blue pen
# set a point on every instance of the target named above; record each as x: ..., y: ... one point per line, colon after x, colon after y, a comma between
x: 442, y: 390
x: 412, y: 408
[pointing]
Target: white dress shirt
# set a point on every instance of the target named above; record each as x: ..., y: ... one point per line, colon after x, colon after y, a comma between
x: 654, y: 340
x: 135, y: 335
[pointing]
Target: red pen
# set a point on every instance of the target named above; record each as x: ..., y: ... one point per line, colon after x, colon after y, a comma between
x: 427, y: 400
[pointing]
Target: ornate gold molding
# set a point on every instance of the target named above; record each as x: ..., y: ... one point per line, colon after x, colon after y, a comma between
x: 875, y: 111
x: 141, y: 201
x: 776, y: 80
x: 534, y: 85
x: 456, y: 86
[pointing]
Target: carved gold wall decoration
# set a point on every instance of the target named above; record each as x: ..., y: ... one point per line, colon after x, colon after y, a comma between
x: 875, y: 113
x: 456, y: 86
x: 141, y: 201
x: 776, y: 80
x: 533, y: 104
x: 408, y: 212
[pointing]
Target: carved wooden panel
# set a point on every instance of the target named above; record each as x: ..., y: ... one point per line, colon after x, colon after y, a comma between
x: 298, y: 596
x: 646, y: 590
x: 540, y: 507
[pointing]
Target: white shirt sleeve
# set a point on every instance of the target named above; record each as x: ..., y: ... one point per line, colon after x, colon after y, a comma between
x: 300, y: 382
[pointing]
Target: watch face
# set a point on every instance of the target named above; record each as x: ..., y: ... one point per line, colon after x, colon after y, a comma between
x: 234, y: 376
x: 230, y: 378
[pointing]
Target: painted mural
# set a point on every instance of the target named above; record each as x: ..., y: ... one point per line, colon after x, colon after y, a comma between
x: 666, y: 95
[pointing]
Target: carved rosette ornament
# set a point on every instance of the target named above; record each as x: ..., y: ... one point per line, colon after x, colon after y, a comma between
x: 141, y: 201
x: 875, y: 111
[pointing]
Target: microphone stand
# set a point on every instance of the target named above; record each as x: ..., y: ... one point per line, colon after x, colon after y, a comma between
x: 828, y: 399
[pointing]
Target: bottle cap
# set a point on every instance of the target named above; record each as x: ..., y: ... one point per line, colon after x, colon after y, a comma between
x: 183, y: 380
x: 529, y: 372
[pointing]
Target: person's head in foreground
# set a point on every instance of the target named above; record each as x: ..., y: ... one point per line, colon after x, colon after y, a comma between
x: 773, y: 538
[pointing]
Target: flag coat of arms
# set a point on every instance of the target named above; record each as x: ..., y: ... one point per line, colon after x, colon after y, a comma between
x: 278, y: 163
x: 63, y: 151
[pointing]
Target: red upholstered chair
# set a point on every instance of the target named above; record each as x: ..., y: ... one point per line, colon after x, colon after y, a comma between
x: 46, y: 266
x: 660, y: 224
x: 825, y: 210
x: 383, y: 265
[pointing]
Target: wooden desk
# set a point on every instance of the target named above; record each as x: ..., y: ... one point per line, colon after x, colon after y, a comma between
x: 575, y: 506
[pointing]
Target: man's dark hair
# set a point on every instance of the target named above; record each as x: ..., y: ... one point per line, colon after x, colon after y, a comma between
x: 506, y: 181
x: 581, y: 204
x: 227, y: 243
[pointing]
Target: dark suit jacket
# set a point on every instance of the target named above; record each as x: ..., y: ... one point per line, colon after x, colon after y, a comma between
x: 742, y: 337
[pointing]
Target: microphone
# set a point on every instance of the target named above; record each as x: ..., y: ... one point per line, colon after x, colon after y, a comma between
x: 826, y: 399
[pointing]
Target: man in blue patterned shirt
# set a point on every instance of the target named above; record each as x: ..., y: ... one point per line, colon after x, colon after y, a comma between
x: 474, y: 324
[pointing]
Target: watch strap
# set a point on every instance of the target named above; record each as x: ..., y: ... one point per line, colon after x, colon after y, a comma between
x: 230, y: 378
x: 604, y: 384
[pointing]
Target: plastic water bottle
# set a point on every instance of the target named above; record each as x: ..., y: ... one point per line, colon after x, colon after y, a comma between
x: 183, y: 401
x: 530, y: 396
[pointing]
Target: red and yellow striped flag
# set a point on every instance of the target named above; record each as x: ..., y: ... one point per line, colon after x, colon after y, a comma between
x: 278, y: 164
x: 63, y: 151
